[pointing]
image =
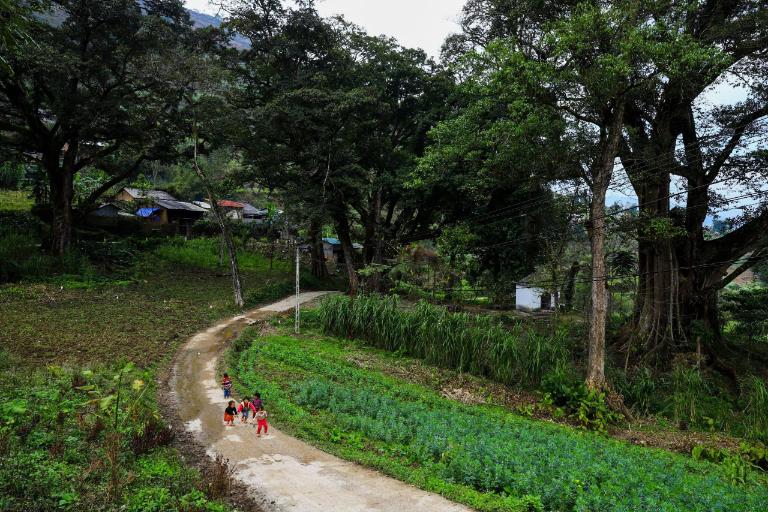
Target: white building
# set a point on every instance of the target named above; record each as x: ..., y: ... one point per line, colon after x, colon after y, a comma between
x: 530, y: 298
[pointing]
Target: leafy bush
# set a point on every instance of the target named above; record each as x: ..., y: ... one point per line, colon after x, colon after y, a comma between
x: 476, y: 344
x: 564, y: 389
x: 640, y: 391
x: 70, y: 443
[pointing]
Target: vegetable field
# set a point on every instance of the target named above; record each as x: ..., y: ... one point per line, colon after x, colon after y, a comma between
x: 479, y: 455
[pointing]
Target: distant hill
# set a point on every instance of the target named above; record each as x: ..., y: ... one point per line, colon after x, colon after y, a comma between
x: 199, y: 20
x: 202, y: 20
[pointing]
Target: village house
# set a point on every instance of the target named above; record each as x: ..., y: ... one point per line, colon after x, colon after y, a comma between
x: 108, y: 215
x: 532, y: 298
x: 333, y: 251
x: 129, y: 195
x: 159, y: 208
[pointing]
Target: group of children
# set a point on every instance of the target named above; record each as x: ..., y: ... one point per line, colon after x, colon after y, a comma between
x: 244, y: 409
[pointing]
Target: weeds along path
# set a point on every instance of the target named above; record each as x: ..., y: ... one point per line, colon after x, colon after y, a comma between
x: 288, y: 474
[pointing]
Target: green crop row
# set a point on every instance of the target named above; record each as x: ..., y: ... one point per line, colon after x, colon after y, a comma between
x: 477, y: 344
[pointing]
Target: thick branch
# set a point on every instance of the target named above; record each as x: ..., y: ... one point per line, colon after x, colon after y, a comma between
x: 750, y: 262
x: 112, y: 182
x: 726, y: 152
x: 749, y: 237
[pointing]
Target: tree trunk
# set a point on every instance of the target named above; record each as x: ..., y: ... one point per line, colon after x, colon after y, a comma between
x: 319, y: 268
x: 600, y: 179
x: 220, y: 216
x: 342, y: 226
x: 451, y: 279
x: 598, y: 312
x: 62, y: 191
x: 234, y: 269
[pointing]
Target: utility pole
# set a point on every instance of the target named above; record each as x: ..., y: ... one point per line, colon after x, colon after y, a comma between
x: 298, y: 306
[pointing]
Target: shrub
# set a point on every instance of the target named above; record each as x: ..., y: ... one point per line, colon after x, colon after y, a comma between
x: 564, y: 389
x: 748, y: 306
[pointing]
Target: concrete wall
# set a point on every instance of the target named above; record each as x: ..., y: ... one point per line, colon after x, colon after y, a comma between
x: 528, y: 299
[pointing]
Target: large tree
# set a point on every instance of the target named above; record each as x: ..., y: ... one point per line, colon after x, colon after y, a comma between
x: 667, y: 130
x: 674, y: 132
x: 333, y: 118
x: 94, y: 85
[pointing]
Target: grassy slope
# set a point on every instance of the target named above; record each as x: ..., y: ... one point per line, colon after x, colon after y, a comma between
x: 319, y: 390
x: 97, y: 325
x: 15, y: 201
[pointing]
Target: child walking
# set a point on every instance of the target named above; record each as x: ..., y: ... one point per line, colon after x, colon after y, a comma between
x: 229, y: 414
x: 226, y: 384
x: 245, y: 407
x: 257, y: 403
x: 261, y: 421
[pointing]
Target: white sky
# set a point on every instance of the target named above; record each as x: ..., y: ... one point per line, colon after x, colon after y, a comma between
x: 414, y: 23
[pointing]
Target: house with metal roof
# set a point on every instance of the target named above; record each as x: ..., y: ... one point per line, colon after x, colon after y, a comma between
x: 129, y: 194
x: 165, y: 211
x: 333, y: 251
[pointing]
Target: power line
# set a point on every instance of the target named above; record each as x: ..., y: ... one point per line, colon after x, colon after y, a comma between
x: 645, y: 170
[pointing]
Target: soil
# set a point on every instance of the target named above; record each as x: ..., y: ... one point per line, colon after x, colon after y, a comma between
x: 276, y: 471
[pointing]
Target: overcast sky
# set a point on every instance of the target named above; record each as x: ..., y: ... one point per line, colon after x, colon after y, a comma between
x: 414, y: 23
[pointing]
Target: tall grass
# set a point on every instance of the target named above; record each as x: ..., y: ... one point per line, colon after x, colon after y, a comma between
x: 476, y: 344
x: 688, y: 390
x: 756, y: 412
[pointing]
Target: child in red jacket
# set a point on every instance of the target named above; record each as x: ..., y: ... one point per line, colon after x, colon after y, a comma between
x: 245, y: 407
x: 261, y: 421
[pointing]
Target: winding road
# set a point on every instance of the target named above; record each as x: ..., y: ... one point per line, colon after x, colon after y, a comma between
x: 288, y: 474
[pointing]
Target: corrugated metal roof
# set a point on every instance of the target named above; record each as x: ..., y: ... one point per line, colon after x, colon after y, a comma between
x: 252, y: 210
x: 336, y: 241
x: 179, y: 205
x: 151, y: 194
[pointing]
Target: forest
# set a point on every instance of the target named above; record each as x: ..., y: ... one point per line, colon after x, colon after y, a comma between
x: 559, y: 223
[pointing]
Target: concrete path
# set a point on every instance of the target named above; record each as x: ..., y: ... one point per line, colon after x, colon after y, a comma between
x: 289, y: 474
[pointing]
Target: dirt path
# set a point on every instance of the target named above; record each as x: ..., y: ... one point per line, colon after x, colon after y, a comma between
x: 288, y: 474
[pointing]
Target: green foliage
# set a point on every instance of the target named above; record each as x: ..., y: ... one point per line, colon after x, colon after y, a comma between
x: 755, y: 395
x: 11, y: 175
x: 688, y: 390
x: 640, y: 391
x: 204, y: 253
x: 480, y: 455
x: 748, y: 306
x: 56, y: 451
x: 20, y: 258
x: 565, y: 390
x: 476, y: 344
